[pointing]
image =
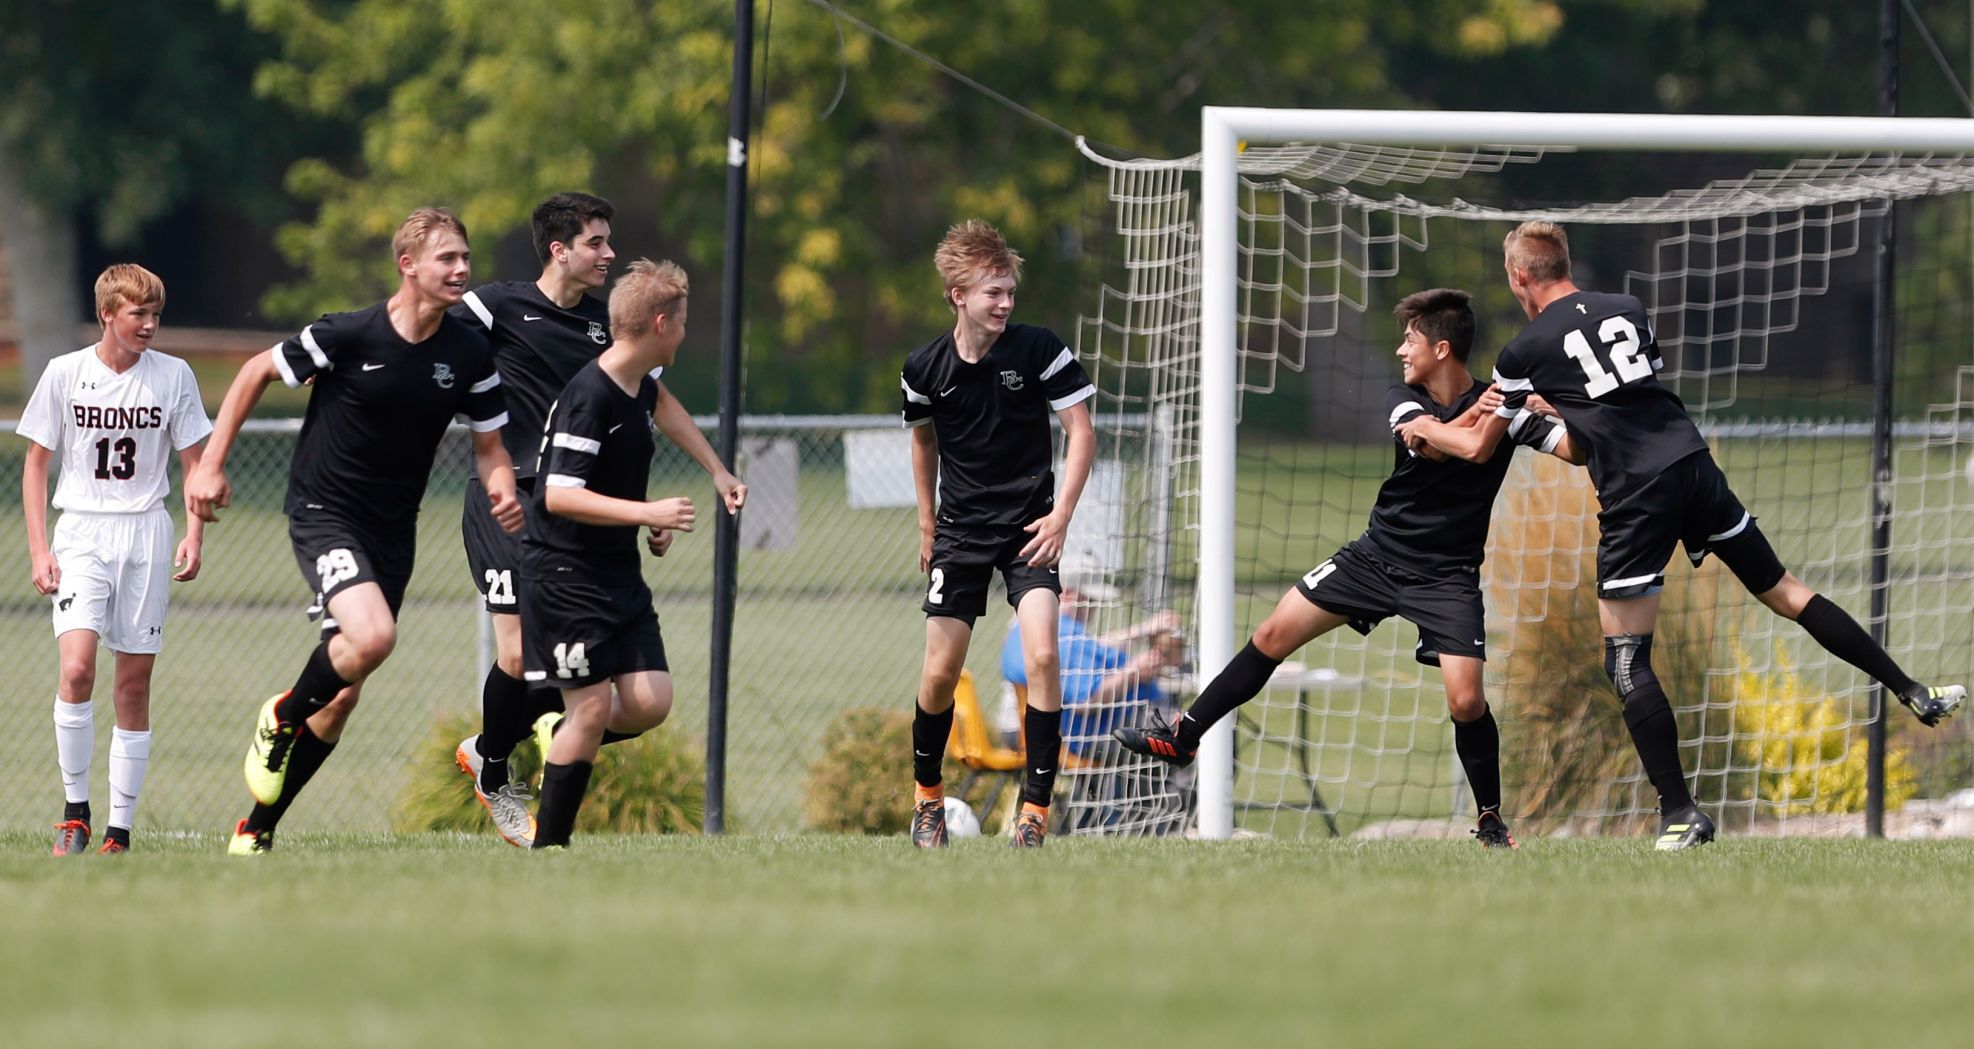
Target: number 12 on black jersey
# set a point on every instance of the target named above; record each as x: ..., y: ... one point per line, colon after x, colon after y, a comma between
x: 1620, y: 337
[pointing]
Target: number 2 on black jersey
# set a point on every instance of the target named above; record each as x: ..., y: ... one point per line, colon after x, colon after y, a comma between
x: 1618, y: 335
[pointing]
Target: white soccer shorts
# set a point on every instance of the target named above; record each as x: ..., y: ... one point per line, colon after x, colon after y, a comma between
x: 116, y: 572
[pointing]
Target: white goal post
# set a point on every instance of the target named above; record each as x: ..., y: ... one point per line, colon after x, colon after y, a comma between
x: 1225, y: 131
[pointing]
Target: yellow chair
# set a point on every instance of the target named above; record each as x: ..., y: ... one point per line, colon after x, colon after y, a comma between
x: 973, y: 745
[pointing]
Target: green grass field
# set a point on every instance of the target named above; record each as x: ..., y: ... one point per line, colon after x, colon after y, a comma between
x: 812, y: 941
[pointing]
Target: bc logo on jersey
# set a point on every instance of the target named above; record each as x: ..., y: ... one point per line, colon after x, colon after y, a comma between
x: 1011, y: 379
x: 597, y: 334
x: 442, y: 374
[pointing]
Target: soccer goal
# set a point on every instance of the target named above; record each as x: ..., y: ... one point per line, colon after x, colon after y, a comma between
x: 1241, y: 334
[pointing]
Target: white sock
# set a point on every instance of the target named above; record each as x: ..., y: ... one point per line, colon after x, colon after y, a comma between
x: 75, y: 739
x: 130, y: 752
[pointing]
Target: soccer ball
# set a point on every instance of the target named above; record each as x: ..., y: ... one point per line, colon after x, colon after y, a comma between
x: 960, y: 820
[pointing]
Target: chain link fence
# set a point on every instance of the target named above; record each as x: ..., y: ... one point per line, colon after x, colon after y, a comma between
x: 827, y: 620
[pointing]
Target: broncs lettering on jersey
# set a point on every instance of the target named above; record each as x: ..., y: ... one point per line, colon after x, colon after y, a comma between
x: 96, y: 417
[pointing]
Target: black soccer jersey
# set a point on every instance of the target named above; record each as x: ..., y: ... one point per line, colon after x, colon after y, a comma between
x: 1431, y: 515
x: 600, y: 438
x: 538, y: 347
x: 996, y: 453
x: 1593, y: 356
x: 378, y: 409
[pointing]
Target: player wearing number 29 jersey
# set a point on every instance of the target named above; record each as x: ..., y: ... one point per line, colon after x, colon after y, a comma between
x: 1593, y: 357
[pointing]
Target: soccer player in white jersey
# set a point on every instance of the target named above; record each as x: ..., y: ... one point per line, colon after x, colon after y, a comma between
x: 112, y: 414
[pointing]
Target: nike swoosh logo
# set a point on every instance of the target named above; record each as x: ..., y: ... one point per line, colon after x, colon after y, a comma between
x: 948, y: 391
x: 1043, y: 772
x: 372, y: 367
x: 615, y: 428
x: 529, y: 317
x: 920, y: 754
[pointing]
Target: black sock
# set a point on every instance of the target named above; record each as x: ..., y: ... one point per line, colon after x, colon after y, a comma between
x: 120, y: 835
x: 611, y: 735
x: 1655, y: 732
x: 1241, y: 680
x: 75, y: 810
x: 562, y: 789
x: 1044, y: 731
x: 309, y: 752
x: 1478, y: 742
x: 317, y: 685
x: 929, y: 735
x: 505, y: 714
x: 1843, y: 637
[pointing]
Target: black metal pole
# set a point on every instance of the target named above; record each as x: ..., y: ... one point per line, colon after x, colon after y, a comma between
x: 1883, y: 307
x: 726, y: 530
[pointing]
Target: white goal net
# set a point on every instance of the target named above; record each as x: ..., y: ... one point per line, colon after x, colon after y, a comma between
x: 1754, y: 254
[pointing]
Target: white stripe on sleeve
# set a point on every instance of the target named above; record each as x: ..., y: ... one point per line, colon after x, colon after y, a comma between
x: 585, y: 445
x: 912, y: 395
x: 484, y: 425
x: 1078, y: 397
x: 1062, y: 361
x: 564, y: 481
x: 485, y: 384
x: 1409, y: 406
x: 1512, y: 385
x: 314, y: 350
x: 1555, y: 438
x: 281, y: 366
x: 479, y: 309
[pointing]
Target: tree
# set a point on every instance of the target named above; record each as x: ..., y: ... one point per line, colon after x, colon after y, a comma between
x: 864, y: 156
x: 95, y: 128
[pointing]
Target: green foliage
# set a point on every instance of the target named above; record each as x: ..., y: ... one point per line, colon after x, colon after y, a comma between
x: 861, y: 782
x: 655, y: 784
x: 1805, y: 756
x: 491, y: 105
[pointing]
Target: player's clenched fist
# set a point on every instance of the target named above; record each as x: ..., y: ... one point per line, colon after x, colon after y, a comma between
x: 675, y: 513
x: 206, y: 490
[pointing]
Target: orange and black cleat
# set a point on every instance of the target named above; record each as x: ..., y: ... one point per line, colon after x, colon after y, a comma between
x: 1160, y: 741
x: 1492, y: 832
x: 1031, y: 827
x: 71, y: 838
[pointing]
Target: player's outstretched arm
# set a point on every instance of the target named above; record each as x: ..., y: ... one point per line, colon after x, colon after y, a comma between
x: 47, y: 575
x: 496, y: 472
x: 1044, y: 547
x: 206, y: 489
x: 676, y: 424
x: 1473, y: 443
x: 925, y: 482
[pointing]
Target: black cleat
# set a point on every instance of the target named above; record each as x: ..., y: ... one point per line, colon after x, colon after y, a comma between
x: 929, y: 823
x: 1031, y: 829
x: 1492, y: 832
x: 1159, y: 741
x: 1934, y: 705
x: 1685, y: 829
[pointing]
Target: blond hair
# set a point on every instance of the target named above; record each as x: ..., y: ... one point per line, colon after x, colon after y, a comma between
x: 972, y: 252
x: 647, y: 290
x: 127, y: 282
x: 420, y: 226
x: 1540, y: 249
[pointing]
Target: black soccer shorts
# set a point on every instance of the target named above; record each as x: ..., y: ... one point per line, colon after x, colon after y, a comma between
x: 1689, y: 504
x: 964, y: 561
x: 493, y: 556
x: 577, y: 633
x: 1363, y: 587
x: 334, y: 554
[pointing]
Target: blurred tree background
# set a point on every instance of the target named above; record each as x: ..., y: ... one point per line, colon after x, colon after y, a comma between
x: 258, y: 153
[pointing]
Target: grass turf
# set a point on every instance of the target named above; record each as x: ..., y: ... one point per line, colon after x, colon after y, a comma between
x: 820, y: 941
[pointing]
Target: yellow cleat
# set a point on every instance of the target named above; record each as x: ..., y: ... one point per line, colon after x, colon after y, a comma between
x: 267, y: 756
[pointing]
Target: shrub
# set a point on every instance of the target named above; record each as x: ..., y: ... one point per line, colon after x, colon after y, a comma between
x: 1805, y: 759
x: 655, y: 784
x: 861, y: 782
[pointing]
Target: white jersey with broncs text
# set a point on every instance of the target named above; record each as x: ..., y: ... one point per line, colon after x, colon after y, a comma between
x: 114, y: 433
